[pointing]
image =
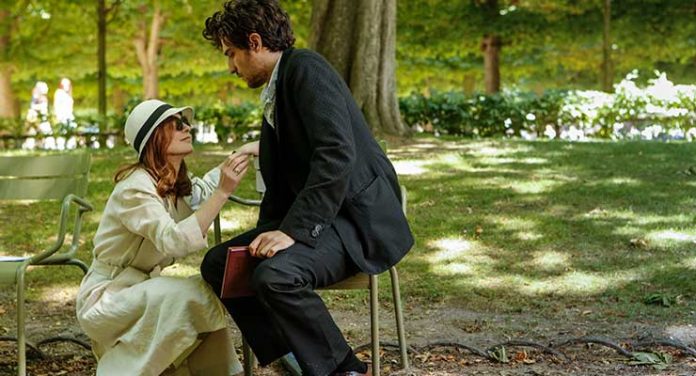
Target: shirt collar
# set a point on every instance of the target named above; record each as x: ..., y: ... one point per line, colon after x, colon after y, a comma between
x: 268, y: 93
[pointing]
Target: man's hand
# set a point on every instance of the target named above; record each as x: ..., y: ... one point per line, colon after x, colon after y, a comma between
x: 267, y: 244
x: 250, y: 148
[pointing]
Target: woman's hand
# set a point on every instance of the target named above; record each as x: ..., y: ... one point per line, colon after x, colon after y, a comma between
x: 232, y: 171
x: 250, y: 148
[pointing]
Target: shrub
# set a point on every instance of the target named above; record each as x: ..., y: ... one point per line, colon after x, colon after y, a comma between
x: 659, y: 110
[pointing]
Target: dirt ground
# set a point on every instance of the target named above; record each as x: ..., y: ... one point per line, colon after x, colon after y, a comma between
x: 425, y: 326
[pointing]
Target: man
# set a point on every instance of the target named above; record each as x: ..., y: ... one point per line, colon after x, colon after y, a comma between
x: 332, y: 203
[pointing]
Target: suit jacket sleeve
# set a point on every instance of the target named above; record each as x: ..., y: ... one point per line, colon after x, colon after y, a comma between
x: 319, y: 96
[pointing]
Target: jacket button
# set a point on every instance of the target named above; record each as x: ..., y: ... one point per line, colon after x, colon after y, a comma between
x: 316, y: 230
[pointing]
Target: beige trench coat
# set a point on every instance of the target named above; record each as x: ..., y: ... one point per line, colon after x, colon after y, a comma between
x: 141, y: 323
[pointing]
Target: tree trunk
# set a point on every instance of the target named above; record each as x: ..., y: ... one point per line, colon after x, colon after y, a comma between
x: 118, y: 100
x: 8, y: 108
x: 607, y: 69
x: 490, y: 46
x: 101, y: 63
x: 491, y: 63
x: 359, y: 39
x: 147, y: 50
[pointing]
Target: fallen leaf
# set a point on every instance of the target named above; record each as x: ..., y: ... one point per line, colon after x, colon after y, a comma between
x: 639, y: 243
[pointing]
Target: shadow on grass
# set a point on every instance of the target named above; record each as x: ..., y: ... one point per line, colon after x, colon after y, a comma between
x: 512, y: 226
x: 501, y: 226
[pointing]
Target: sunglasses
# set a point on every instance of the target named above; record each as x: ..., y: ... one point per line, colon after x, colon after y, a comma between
x: 180, y: 122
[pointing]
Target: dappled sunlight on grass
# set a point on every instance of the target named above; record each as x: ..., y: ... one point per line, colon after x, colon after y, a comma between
x: 635, y: 218
x: 689, y: 263
x: 59, y: 293
x: 528, y: 235
x: 550, y: 260
x: 500, y: 225
x: 488, y: 149
x: 512, y: 160
x: 449, y: 163
x: 410, y: 167
x: 580, y: 283
x: 455, y: 268
x: 230, y: 224
x: 456, y: 256
x: 672, y: 235
x: 637, y: 224
x: 623, y: 181
x: 523, y: 229
x: 422, y: 147
x: 552, y: 219
x: 92, y: 217
x: 449, y: 249
x: 666, y: 238
x: 535, y: 186
x: 513, y: 223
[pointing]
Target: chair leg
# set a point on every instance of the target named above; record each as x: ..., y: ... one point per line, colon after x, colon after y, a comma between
x: 21, y: 338
x: 249, y: 359
x: 399, y: 314
x: 374, y: 323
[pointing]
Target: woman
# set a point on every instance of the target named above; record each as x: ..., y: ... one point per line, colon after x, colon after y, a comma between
x: 142, y: 323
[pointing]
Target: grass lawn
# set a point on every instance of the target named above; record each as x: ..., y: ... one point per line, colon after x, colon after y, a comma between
x: 501, y: 226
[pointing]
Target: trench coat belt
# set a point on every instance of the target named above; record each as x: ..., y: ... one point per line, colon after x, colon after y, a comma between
x: 112, y: 271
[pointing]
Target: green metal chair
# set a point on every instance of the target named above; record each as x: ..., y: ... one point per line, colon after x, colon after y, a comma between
x: 48, y: 177
x: 360, y: 281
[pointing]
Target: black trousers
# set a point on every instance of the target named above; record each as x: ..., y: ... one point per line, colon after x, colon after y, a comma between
x: 287, y: 314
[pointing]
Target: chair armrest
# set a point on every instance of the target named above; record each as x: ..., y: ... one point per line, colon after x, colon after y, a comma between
x: 83, y: 206
x: 244, y: 201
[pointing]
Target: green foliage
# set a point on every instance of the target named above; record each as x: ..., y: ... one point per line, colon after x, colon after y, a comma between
x: 658, y: 361
x: 499, y: 354
x: 479, y: 115
x: 230, y: 121
x: 11, y: 126
x: 663, y: 300
x: 658, y: 110
x: 546, y: 43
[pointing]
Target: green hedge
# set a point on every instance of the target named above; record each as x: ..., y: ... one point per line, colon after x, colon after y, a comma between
x: 659, y: 110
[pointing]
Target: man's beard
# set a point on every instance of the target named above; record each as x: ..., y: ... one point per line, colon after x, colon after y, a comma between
x: 256, y: 81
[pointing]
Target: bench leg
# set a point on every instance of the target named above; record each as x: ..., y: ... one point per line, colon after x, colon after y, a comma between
x: 374, y: 324
x: 399, y: 314
x: 21, y: 338
x: 249, y: 358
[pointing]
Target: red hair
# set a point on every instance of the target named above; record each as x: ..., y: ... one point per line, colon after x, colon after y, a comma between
x: 154, y: 161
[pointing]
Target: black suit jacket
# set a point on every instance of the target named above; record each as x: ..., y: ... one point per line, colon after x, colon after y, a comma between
x: 322, y: 167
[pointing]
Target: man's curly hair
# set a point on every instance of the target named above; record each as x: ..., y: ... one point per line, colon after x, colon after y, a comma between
x: 240, y: 18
